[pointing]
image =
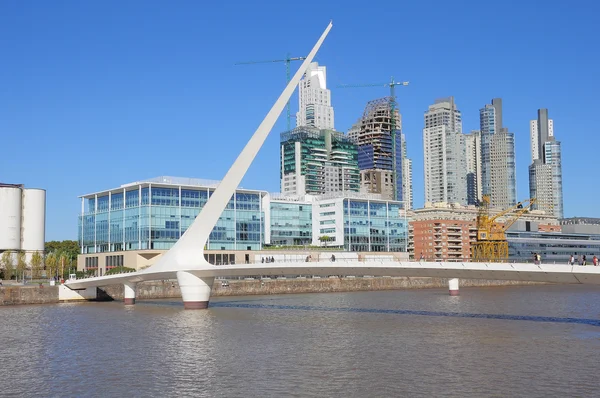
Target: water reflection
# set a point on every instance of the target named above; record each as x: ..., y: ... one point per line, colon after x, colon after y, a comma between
x: 583, y: 321
x: 519, y: 341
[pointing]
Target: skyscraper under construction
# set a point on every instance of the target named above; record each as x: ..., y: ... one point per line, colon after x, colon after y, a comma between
x: 380, y: 154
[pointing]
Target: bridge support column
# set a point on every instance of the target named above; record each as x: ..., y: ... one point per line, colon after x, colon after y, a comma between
x: 453, y: 287
x: 129, y: 293
x: 195, y: 291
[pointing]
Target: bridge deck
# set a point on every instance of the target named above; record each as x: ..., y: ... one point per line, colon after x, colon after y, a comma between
x: 499, y: 271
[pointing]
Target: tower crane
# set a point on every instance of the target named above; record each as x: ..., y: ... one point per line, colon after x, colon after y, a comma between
x: 491, y: 242
x: 392, y: 85
x: 287, y: 61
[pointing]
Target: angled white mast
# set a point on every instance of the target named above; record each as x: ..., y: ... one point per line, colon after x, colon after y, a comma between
x: 188, y: 251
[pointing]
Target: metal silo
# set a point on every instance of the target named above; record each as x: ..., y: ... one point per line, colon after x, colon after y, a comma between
x: 33, y: 228
x: 10, y: 217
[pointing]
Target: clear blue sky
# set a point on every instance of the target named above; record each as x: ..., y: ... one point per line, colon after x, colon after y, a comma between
x: 95, y: 94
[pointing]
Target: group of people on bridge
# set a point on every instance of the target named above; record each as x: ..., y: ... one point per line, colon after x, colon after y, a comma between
x: 582, y: 260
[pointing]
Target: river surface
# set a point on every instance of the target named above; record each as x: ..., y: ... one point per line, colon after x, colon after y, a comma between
x: 534, y: 341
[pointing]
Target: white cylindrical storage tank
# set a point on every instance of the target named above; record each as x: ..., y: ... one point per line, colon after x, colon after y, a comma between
x: 33, y: 227
x: 10, y: 218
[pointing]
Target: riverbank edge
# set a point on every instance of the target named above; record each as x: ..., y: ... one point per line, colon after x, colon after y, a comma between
x: 15, y: 295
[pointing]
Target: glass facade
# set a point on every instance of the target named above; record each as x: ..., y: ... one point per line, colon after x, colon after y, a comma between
x: 154, y: 217
x: 291, y: 223
x: 374, y: 226
x: 553, y: 247
x: 313, y: 150
x: 487, y: 125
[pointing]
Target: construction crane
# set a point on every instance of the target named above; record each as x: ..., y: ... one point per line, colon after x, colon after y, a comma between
x: 491, y: 242
x: 392, y: 85
x: 287, y: 61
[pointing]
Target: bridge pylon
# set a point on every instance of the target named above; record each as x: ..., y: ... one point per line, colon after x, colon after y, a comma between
x: 195, y: 290
x: 129, y: 293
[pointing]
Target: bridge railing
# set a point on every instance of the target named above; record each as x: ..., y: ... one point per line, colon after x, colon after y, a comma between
x: 365, y: 260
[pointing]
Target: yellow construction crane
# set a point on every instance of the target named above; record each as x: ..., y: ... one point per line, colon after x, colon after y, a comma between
x: 491, y: 242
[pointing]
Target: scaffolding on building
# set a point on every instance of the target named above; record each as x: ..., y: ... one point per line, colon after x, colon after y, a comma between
x: 378, y: 131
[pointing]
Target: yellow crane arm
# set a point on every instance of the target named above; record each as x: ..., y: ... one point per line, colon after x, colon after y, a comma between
x: 523, y: 207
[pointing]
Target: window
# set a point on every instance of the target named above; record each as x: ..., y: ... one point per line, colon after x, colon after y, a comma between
x: 114, y: 261
x: 91, y: 262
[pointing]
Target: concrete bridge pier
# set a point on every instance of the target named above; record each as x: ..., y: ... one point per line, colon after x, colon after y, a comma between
x: 453, y: 287
x: 195, y: 291
x: 129, y: 293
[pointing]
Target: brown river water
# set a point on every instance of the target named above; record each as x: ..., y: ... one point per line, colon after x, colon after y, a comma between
x: 530, y: 341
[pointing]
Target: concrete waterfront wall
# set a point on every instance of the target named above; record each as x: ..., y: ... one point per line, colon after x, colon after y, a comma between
x: 11, y: 295
x: 170, y: 289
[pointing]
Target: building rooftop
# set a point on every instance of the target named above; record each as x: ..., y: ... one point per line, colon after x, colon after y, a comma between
x: 168, y: 180
x: 455, y: 211
x: 580, y: 221
x: 177, y: 181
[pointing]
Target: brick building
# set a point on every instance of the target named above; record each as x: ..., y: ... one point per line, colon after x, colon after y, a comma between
x: 444, y: 232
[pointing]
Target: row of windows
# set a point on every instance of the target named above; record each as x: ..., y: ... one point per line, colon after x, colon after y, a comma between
x: 91, y: 262
x: 114, y: 261
x: 168, y: 197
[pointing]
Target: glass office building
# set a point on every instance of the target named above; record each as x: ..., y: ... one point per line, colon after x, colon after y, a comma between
x: 374, y: 226
x: 290, y: 222
x: 153, y: 214
x: 553, y: 247
x: 360, y: 224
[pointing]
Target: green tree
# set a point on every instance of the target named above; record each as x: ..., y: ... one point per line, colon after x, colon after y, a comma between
x: 70, y: 248
x: 21, y: 264
x: 66, y: 252
x: 36, y: 265
x: 62, y: 263
x: 324, y: 239
x: 7, y: 262
x: 51, y: 265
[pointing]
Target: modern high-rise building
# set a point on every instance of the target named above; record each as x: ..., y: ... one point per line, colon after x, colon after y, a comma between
x: 315, y: 108
x: 533, y: 133
x: 407, y: 176
x: 473, y: 157
x: 504, y: 177
x: 318, y: 161
x: 315, y: 159
x: 498, y: 167
x: 545, y: 172
x: 380, y: 150
x: 444, y: 154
